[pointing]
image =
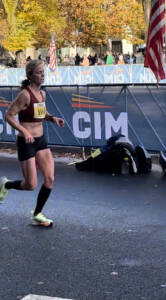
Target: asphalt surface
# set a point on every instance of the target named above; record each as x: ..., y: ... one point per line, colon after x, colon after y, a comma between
x: 108, y: 241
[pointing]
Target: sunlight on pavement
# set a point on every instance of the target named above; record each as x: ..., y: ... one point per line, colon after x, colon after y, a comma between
x: 38, y: 297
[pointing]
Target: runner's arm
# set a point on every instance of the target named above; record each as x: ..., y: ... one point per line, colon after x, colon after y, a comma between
x: 59, y: 121
x: 21, y: 102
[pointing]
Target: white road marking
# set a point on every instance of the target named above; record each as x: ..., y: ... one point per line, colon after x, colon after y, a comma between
x: 38, y: 297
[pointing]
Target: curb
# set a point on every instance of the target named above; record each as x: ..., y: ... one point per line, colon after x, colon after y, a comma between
x: 60, y: 159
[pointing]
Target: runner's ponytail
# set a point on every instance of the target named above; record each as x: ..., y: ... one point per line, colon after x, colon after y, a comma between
x: 25, y: 83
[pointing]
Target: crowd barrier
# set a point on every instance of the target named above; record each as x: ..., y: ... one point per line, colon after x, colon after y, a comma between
x: 93, y: 113
x: 114, y: 74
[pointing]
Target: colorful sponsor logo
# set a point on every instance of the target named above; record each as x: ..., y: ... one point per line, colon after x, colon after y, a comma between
x: 79, y: 101
x: 4, y: 103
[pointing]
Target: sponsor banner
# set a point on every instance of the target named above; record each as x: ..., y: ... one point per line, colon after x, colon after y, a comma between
x: 118, y: 74
x: 4, y: 77
x: 93, y: 114
x: 59, y: 77
x: 115, y: 74
x: 142, y: 75
x: 82, y: 75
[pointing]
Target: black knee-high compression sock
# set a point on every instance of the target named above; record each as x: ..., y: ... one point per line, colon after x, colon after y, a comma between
x: 41, y: 199
x: 13, y: 185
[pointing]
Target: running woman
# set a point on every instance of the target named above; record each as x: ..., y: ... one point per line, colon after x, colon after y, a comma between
x: 31, y: 144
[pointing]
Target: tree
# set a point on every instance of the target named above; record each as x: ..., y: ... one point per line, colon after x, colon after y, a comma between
x: 91, y: 21
x: 146, y: 7
x: 10, y: 8
x: 46, y: 20
x: 31, y: 28
x: 84, y: 23
x: 127, y: 20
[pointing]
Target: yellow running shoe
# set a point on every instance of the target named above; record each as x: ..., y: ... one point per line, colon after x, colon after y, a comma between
x: 40, y: 220
x: 3, y: 191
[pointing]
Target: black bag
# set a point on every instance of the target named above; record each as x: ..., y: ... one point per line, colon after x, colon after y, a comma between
x: 112, y: 157
x: 162, y: 161
x: 143, y: 160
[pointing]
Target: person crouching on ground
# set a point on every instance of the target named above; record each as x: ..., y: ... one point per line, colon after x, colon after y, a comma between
x: 31, y: 144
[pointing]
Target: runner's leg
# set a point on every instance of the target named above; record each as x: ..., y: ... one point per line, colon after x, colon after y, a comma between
x: 30, y: 176
x: 29, y: 183
x: 45, y: 163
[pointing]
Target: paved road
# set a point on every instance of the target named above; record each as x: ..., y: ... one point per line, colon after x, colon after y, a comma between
x: 108, y: 242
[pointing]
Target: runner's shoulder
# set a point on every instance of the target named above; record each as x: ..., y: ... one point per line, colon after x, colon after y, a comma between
x: 23, y: 97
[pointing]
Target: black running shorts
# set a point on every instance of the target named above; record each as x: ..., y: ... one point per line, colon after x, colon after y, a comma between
x: 28, y: 150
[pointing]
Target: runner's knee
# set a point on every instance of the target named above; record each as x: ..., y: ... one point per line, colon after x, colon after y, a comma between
x: 49, y: 180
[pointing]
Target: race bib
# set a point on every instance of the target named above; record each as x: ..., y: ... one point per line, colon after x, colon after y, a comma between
x: 39, y: 110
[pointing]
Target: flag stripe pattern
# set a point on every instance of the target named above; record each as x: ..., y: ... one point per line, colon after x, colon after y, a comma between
x: 155, y: 56
x: 52, y: 54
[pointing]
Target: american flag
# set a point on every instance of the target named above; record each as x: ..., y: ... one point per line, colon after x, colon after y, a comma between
x: 52, y: 54
x: 155, y: 56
